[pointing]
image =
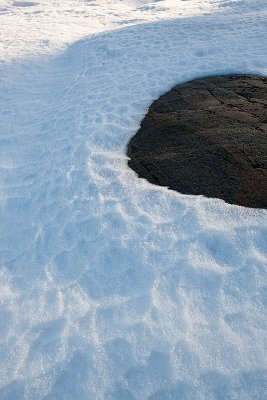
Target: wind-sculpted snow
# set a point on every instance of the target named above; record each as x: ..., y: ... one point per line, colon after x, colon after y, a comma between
x: 112, y: 288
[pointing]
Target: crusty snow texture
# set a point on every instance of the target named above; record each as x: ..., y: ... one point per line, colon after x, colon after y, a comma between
x: 112, y: 288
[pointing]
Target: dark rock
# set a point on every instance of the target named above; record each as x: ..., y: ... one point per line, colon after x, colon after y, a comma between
x: 207, y: 137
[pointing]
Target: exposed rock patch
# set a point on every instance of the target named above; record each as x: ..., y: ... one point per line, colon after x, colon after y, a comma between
x: 207, y: 137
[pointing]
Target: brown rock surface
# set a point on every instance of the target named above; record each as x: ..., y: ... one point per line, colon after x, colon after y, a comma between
x: 207, y: 137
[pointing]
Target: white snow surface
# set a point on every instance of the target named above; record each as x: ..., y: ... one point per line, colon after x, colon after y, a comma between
x: 110, y: 287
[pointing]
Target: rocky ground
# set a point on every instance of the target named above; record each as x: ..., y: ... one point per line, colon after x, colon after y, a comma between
x: 207, y: 137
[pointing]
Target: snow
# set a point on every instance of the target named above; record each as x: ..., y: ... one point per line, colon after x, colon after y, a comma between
x: 110, y: 287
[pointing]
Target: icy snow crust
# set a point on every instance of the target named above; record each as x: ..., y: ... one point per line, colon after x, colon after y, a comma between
x: 110, y: 287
